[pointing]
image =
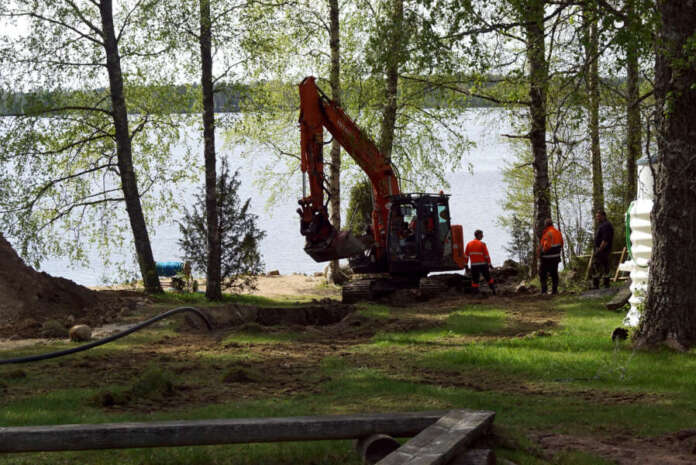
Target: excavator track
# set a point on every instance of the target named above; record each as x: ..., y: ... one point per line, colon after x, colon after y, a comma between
x: 355, y: 291
x: 424, y: 288
x: 429, y: 288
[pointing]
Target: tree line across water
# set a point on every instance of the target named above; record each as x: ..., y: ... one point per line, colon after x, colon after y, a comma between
x: 227, y: 99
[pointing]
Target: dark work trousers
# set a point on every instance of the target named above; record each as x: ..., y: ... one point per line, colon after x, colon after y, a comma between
x: 476, y: 272
x: 549, y: 266
x: 600, y: 269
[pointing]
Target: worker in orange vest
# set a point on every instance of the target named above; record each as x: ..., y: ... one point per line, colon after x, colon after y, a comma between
x: 477, y: 252
x: 549, y: 253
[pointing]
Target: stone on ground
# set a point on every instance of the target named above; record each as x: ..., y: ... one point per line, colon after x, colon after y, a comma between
x: 80, y: 333
x: 620, y: 299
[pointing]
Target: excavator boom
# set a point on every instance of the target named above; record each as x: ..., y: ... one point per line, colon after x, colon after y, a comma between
x: 316, y: 113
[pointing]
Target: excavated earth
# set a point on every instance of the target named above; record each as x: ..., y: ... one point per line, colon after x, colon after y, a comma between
x: 29, y: 298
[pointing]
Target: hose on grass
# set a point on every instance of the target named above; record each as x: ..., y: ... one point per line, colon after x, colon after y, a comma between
x: 113, y: 337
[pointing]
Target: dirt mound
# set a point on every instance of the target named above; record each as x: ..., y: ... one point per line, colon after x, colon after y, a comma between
x: 29, y: 298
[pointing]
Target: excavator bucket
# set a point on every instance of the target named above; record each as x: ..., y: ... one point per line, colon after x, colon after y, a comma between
x: 342, y: 245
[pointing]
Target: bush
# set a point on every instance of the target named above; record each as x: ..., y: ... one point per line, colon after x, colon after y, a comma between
x: 520, y: 245
x: 239, y: 234
x: 359, y: 215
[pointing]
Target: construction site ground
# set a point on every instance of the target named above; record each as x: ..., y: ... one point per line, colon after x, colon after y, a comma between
x: 564, y: 393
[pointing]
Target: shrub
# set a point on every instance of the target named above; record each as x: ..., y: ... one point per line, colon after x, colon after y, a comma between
x: 239, y: 234
x: 359, y: 215
x: 520, y: 245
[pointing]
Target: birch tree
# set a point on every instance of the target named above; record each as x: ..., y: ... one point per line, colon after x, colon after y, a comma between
x: 77, y: 151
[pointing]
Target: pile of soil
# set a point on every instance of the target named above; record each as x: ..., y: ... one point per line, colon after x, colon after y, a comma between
x: 29, y: 298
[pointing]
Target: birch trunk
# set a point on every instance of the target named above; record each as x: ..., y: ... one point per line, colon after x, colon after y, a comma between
x: 129, y: 184
x: 213, y: 289
x: 335, y: 171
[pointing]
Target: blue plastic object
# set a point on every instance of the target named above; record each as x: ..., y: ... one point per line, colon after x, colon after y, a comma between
x: 169, y: 269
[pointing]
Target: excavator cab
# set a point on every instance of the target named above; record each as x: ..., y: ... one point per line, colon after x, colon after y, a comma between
x: 420, y: 235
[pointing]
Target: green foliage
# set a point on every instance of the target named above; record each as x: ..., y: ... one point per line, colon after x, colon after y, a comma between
x: 60, y: 179
x: 239, y: 234
x: 287, y: 43
x: 520, y: 245
x: 359, y: 215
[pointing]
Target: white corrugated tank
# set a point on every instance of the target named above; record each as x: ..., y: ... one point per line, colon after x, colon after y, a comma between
x: 640, y: 241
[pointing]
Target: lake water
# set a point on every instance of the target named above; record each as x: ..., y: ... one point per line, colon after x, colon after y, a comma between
x: 475, y: 203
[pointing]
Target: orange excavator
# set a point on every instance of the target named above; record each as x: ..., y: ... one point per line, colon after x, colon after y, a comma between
x: 410, y: 235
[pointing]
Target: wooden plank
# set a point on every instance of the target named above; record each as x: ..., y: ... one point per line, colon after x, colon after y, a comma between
x: 589, y: 266
x: 618, y: 267
x: 438, y: 443
x: 208, y: 432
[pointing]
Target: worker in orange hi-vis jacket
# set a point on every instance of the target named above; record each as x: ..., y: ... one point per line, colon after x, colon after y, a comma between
x: 549, y: 253
x: 477, y: 252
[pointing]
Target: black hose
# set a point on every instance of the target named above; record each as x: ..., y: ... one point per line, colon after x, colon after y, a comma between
x: 36, y: 358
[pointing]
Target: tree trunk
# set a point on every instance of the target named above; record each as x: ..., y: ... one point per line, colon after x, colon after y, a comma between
x: 538, y: 84
x: 335, y: 172
x: 633, y: 129
x: 129, y: 183
x: 592, y: 84
x: 213, y: 289
x: 670, y: 315
x: 386, y: 141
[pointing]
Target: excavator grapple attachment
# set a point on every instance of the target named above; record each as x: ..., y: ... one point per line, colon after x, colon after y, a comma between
x: 343, y: 244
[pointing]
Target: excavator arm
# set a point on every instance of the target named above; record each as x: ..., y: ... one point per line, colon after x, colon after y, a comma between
x: 316, y: 113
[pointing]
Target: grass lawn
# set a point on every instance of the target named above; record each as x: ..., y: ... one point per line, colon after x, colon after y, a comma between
x: 547, y: 367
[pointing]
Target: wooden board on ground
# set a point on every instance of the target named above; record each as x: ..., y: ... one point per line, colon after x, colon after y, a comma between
x: 440, y: 442
x: 208, y: 432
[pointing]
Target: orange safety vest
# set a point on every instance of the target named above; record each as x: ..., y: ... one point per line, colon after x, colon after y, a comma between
x: 477, y: 252
x: 551, y: 243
